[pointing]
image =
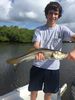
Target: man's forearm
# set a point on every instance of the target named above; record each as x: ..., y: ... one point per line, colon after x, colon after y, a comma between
x: 36, y: 45
x: 71, y: 55
x: 73, y: 38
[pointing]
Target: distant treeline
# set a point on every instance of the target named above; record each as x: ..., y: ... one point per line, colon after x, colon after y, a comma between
x: 15, y: 34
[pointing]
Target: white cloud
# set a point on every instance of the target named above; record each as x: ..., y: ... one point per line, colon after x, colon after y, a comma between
x: 31, y: 15
x: 5, y: 6
x: 68, y: 11
x: 22, y: 10
x: 33, y: 11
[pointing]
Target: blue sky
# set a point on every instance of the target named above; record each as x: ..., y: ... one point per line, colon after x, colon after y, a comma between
x: 30, y: 13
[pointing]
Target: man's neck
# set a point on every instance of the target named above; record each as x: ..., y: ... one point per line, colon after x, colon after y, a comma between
x: 51, y: 25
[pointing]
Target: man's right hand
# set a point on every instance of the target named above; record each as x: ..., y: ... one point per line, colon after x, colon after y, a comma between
x: 39, y: 56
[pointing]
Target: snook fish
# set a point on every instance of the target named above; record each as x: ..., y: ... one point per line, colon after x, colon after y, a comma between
x: 49, y: 54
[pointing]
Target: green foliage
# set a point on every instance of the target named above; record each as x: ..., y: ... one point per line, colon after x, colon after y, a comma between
x: 15, y: 34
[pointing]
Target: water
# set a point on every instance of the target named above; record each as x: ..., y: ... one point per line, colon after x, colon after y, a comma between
x: 11, y: 77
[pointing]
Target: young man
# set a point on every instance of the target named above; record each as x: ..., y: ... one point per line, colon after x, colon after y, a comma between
x: 44, y: 74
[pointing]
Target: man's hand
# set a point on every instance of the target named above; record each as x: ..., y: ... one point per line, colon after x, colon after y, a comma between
x: 39, y: 56
x: 71, y: 55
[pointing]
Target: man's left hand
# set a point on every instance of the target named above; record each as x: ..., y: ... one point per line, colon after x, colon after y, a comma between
x: 71, y: 55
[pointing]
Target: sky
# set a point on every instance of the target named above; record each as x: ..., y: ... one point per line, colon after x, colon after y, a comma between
x: 30, y: 13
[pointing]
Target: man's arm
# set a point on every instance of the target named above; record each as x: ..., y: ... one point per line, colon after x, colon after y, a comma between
x: 73, y: 38
x: 36, y: 45
x: 71, y: 55
x: 39, y: 55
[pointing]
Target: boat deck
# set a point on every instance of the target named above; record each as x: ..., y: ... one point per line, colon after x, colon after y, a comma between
x: 22, y: 93
x: 41, y: 96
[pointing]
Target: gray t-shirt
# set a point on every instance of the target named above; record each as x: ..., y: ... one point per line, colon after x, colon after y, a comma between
x: 51, y: 38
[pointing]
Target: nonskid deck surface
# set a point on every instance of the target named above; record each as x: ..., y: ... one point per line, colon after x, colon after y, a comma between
x: 22, y: 93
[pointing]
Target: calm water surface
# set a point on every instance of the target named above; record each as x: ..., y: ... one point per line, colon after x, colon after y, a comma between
x: 12, y: 77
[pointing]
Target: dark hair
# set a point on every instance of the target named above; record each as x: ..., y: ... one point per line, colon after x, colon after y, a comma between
x: 53, y: 6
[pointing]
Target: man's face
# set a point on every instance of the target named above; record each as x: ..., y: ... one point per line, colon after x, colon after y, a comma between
x: 52, y: 16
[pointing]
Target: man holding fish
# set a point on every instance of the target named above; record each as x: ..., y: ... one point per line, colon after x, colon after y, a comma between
x: 44, y: 73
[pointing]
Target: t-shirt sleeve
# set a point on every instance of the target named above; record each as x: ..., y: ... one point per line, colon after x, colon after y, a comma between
x: 67, y: 33
x: 36, y: 36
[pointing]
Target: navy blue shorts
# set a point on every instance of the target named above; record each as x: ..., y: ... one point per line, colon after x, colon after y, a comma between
x: 40, y: 78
